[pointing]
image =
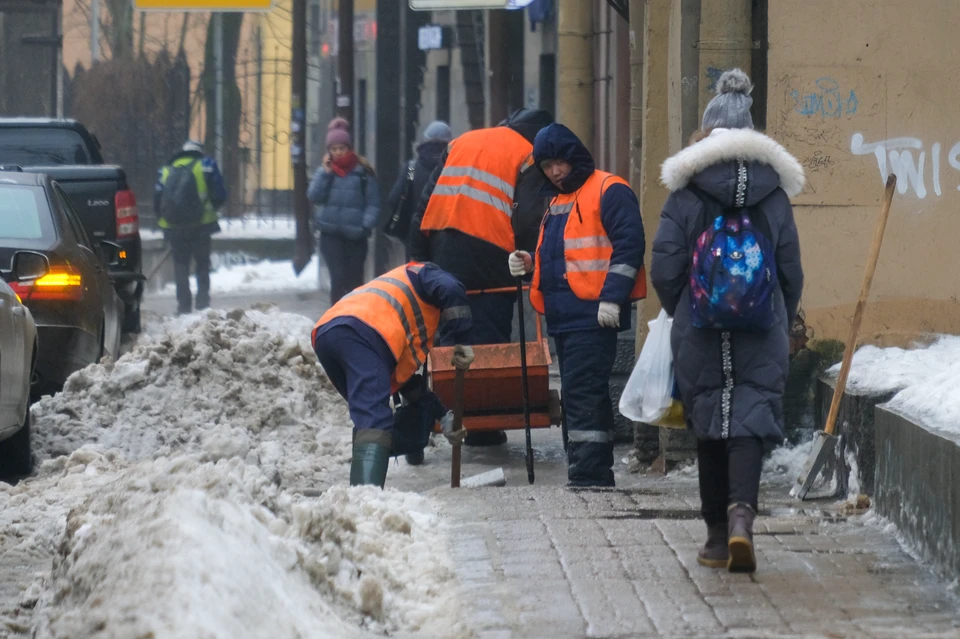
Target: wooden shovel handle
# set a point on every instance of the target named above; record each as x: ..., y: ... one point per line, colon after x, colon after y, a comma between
x: 861, y: 303
x: 459, y: 381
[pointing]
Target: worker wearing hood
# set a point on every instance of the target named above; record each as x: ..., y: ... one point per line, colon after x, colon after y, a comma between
x: 587, y: 270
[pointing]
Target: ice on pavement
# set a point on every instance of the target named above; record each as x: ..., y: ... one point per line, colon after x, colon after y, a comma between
x: 924, y: 378
x: 176, y: 496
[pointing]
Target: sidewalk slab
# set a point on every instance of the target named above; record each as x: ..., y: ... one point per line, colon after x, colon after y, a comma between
x: 546, y: 561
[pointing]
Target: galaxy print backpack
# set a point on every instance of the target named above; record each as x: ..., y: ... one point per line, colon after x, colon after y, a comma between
x: 733, y: 274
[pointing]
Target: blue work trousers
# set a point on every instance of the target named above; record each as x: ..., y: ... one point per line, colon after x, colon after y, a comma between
x: 359, y: 374
x: 586, y: 363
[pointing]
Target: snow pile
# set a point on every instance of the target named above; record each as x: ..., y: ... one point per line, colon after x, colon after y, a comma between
x: 788, y: 461
x: 924, y: 379
x: 181, y: 548
x: 259, y: 277
x: 235, y: 384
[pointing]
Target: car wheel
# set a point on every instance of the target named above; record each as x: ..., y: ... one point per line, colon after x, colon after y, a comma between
x: 131, y: 320
x: 16, y: 457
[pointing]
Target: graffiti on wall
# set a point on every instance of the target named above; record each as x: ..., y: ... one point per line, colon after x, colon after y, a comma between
x: 826, y: 100
x: 907, y: 158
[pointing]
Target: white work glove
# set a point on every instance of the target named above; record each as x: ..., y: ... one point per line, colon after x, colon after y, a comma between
x: 455, y: 437
x: 462, y: 356
x: 520, y: 263
x: 609, y: 315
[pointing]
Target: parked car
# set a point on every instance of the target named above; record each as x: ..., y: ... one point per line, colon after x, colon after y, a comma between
x: 52, y: 265
x: 107, y: 208
x: 18, y: 354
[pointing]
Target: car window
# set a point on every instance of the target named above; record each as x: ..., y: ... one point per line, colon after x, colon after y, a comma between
x: 25, y: 220
x: 72, y: 218
x: 38, y: 146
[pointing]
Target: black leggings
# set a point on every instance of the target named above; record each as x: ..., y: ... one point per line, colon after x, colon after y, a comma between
x: 729, y: 474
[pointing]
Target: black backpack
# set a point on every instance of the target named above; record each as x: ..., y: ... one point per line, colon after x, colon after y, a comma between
x: 180, y: 203
x: 399, y: 223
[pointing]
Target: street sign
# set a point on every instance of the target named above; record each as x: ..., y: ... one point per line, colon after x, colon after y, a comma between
x: 202, y: 5
x: 430, y: 37
x: 442, y: 5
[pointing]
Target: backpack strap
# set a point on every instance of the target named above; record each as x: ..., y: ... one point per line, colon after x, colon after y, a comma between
x: 757, y: 216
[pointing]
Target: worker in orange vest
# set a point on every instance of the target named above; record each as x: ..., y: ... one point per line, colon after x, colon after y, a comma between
x: 375, y: 339
x: 482, y: 202
x: 587, y: 272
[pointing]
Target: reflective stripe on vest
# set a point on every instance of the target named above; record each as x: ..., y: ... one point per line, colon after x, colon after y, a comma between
x: 586, y: 247
x: 475, y: 190
x: 390, y: 305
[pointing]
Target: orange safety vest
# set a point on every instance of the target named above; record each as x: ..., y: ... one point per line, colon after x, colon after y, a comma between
x: 474, y: 194
x: 390, y: 305
x: 586, y: 247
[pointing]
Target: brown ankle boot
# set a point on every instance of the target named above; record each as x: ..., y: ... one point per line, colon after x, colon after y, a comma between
x: 714, y: 553
x: 740, y: 540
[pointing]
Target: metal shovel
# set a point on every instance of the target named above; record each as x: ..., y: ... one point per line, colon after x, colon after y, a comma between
x: 825, y: 442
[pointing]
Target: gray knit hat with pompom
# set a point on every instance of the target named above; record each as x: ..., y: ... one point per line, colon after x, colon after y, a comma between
x: 730, y: 109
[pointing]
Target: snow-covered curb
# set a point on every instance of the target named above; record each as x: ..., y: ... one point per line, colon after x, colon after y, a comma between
x: 925, y: 379
x: 259, y: 277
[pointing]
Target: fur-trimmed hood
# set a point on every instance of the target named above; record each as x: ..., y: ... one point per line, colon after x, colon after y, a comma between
x: 711, y: 165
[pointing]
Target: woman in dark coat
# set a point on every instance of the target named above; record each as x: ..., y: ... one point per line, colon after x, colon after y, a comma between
x: 346, y: 193
x: 731, y: 382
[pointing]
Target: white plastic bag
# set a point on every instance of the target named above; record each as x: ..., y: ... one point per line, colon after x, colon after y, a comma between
x: 648, y: 394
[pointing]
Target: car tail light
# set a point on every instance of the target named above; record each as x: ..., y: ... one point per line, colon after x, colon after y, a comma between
x: 128, y: 219
x: 61, y: 283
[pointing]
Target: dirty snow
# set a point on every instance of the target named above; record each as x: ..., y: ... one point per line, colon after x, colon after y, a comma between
x: 178, y: 497
x: 924, y: 379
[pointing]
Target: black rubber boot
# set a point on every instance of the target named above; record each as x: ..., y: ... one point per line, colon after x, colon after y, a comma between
x: 415, y: 458
x: 371, y: 456
x: 714, y: 553
x: 740, y: 544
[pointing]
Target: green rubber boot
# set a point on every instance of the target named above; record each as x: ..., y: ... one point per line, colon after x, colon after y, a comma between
x: 371, y: 456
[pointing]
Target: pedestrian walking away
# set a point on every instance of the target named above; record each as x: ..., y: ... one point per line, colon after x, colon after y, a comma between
x: 347, y: 197
x: 587, y: 269
x: 373, y: 342
x: 414, y: 175
x: 726, y: 265
x: 188, y: 193
x: 481, y: 203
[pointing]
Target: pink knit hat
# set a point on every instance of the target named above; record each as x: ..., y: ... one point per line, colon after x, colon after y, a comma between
x: 338, y: 132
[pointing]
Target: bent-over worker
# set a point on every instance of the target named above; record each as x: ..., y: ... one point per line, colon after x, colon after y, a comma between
x: 375, y: 339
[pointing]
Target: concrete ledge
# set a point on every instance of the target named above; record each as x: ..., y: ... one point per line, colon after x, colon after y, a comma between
x: 856, y: 424
x: 918, y: 486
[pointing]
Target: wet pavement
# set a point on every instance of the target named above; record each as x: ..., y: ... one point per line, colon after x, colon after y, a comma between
x: 547, y: 561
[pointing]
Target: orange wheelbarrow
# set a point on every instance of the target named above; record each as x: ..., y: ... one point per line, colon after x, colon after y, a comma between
x: 493, y: 387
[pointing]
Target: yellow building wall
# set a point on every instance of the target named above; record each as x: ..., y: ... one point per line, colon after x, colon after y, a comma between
x: 277, y: 32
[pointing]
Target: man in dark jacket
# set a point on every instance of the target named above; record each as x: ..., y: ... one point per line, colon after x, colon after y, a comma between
x: 188, y: 193
x: 588, y: 269
x: 405, y: 195
x: 482, y: 202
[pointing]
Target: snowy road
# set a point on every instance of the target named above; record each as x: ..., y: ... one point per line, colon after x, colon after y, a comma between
x: 196, y: 488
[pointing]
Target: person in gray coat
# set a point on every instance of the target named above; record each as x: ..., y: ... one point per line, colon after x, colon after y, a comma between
x: 348, y: 199
x: 731, y: 382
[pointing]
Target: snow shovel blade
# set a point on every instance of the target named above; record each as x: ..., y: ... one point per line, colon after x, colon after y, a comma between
x: 823, y: 447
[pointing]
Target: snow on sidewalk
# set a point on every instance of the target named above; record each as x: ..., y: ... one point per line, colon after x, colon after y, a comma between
x: 281, y: 227
x: 925, y: 379
x: 259, y: 277
x: 173, y: 496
